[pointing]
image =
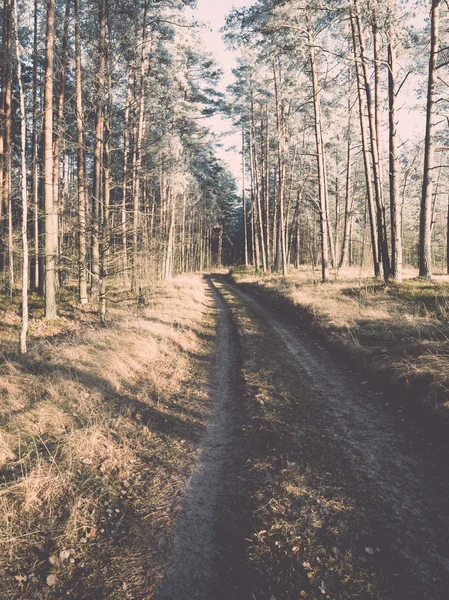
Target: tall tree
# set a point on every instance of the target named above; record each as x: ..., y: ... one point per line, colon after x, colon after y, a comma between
x: 23, y: 185
x: 395, y: 210
x: 51, y: 215
x: 425, y: 223
x: 81, y: 161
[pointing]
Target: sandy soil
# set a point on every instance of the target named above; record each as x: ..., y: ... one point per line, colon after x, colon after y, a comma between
x: 201, y: 551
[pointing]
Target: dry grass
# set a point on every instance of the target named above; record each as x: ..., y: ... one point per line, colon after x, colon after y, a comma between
x: 397, y: 332
x: 99, y: 431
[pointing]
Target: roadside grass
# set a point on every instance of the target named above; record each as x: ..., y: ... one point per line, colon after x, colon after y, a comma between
x: 99, y: 432
x: 397, y: 333
x: 309, y: 528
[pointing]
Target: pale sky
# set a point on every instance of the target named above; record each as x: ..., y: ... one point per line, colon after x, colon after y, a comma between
x: 213, y: 13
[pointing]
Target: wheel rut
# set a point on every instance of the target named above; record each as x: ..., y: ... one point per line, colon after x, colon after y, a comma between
x: 402, y: 492
x: 206, y: 535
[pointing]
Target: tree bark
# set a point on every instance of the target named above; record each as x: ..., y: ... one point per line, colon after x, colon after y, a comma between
x: 348, y: 196
x: 281, y: 250
x: 366, y: 163
x: 245, y: 225
x: 23, y: 187
x: 373, y: 128
x: 51, y: 216
x: 57, y: 126
x: 81, y: 162
x: 7, y: 164
x: 395, y: 211
x: 98, y: 149
x: 34, y: 154
x: 425, y: 223
x: 324, y: 232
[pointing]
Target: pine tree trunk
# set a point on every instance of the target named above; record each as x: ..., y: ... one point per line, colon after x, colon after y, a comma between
x: 58, y: 121
x: 447, y: 237
x: 34, y: 159
x: 245, y: 218
x: 281, y: 252
x: 81, y: 162
x: 7, y: 100
x: 425, y: 223
x: 396, y: 224
x: 373, y: 128
x: 23, y: 187
x: 51, y: 216
x: 348, y: 196
x: 125, y: 175
x: 366, y: 162
x: 324, y: 232
x: 267, y: 191
x: 97, y: 197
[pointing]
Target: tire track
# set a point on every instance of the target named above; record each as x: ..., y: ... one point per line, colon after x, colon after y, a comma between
x: 403, y: 491
x: 202, y: 552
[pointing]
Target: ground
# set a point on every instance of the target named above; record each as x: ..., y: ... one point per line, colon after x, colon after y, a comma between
x: 209, y: 443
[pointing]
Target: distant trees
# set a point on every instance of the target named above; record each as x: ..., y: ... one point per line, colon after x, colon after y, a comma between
x: 319, y: 69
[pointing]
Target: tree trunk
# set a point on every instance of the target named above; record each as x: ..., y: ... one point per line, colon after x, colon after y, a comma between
x: 51, y: 216
x: 369, y: 187
x: 23, y: 188
x: 138, y: 148
x: 125, y: 175
x: 348, y: 197
x: 81, y: 162
x: 324, y: 233
x: 7, y: 165
x: 98, y: 149
x: 57, y: 127
x: 245, y: 226
x: 447, y: 237
x: 34, y: 153
x: 425, y: 223
x: 281, y: 250
x: 396, y: 224
x: 373, y: 128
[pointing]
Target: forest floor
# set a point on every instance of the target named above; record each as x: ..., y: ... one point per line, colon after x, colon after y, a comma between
x: 99, y: 433
x: 206, y: 445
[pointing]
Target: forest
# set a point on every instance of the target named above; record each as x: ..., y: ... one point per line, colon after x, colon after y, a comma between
x: 110, y: 103
x: 108, y: 167
x: 224, y: 351
x: 327, y: 98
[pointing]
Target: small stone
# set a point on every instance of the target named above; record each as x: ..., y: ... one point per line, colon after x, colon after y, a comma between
x: 64, y: 554
x: 51, y: 580
x: 369, y: 551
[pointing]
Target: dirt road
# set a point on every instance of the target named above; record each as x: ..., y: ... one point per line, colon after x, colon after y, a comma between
x: 207, y: 532
x: 336, y: 502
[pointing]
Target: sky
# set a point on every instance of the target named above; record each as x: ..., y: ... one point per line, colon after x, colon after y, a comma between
x: 213, y: 14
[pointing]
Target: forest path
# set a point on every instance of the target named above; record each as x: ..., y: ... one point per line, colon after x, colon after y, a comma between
x: 206, y: 531
x: 370, y: 510
x: 401, y: 495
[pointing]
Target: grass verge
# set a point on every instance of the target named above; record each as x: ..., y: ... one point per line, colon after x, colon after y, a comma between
x: 99, y: 432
